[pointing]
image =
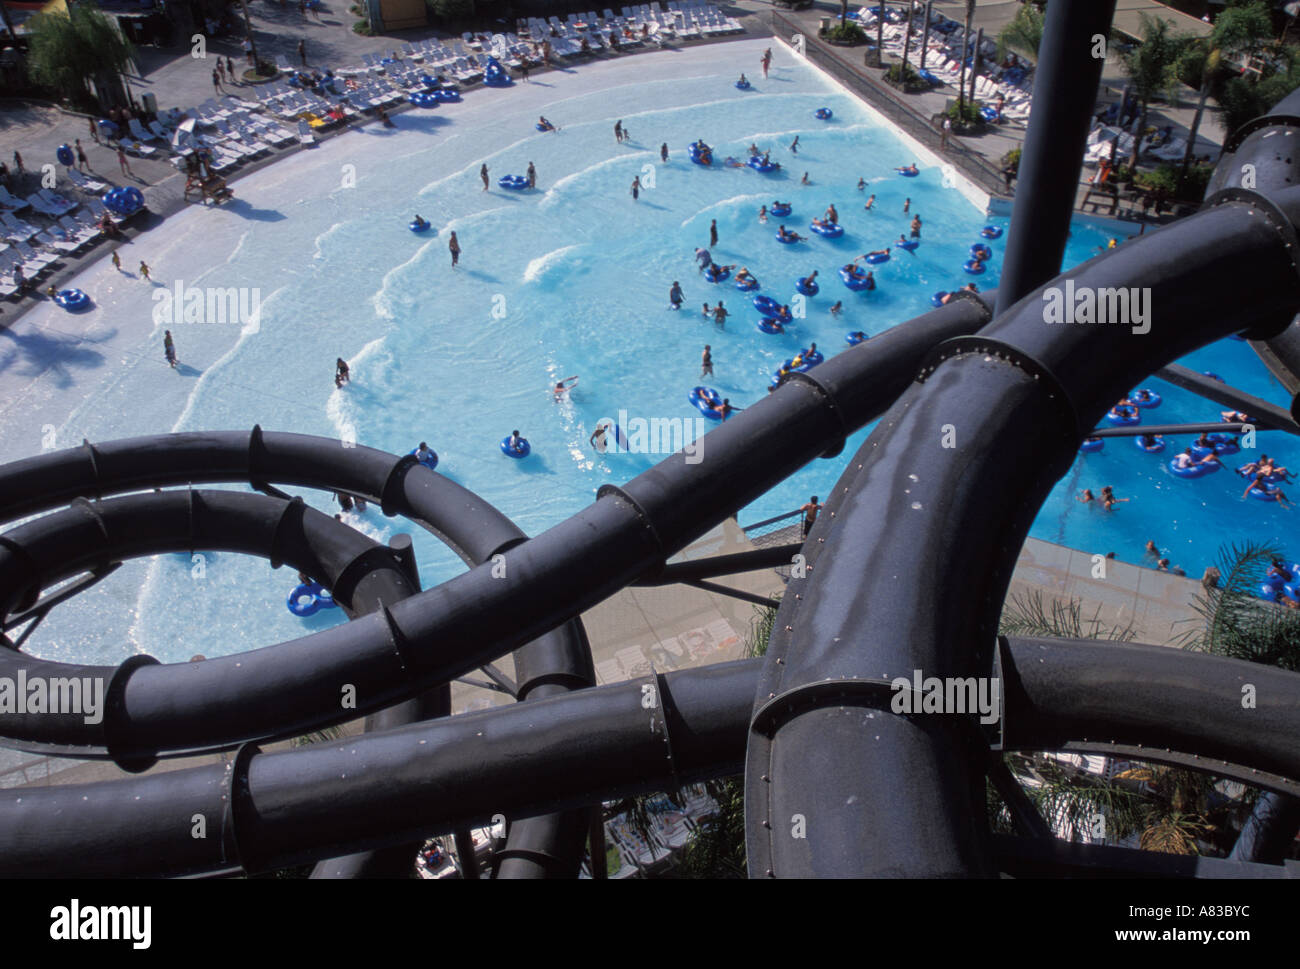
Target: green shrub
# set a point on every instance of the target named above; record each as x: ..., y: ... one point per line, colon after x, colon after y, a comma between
x: 362, y: 27
x: 846, y: 33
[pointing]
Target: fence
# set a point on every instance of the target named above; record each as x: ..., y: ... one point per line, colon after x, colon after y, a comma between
x: 890, y: 103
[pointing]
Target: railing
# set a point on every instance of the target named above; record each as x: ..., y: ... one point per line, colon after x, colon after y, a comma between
x: 889, y: 103
x: 775, y: 531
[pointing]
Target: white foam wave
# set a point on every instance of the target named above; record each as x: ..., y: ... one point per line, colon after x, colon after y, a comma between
x: 542, y: 263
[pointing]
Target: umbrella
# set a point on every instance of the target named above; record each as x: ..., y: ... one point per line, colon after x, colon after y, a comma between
x: 184, y: 135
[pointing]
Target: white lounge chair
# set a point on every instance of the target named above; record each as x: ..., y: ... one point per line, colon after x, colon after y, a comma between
x: 305, y: 135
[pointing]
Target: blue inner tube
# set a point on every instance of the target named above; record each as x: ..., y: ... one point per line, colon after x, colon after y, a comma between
x: 447, y: 95
x: 981, y: 251
x: 1154, y: 448
x: 908, y: 244
x: 808, y: 289
x: 704, y: 398
x: 698, y: 156
x: 72, y: 299
x: 1092, y: 446
x: 1153, y: 399
x: 907, y: 172
x: 431, y: 462
x: 423, y: 100
x: 937, y: 298
x: 854, y: 338
x: 1224, y: 443
x: 524, y: 448
x: 876, y: 258
x: 991, y: 232
x: 810, y: 361
x: 64, y: 155
x: 767, y: 305
x: 742, y: 85
x: 828, y: 230
x: 973, y: 267
x: 419, y: 226
x: 541, y: 127
x: 747, y: 285
x: 515, y: 183
x: 1212, y: 375
x: 787, y: 240
x: 1267, y: 493
x: 716, y: 274
x: 856, y: 280
x: 1269, y: 592
x: 304, y: 599
x: 756, y: 162
x: 989, y: 114
x: 825, y: 114
x: 1124, y: 417
x: 1195, y: 471
x: 780, y: 211
x: 771, y: 325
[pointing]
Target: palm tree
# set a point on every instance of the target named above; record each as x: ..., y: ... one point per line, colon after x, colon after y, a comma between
x: 965, y: 45
x: 68, y: 51
x: 1024, y: 32
x: 1151, y: 67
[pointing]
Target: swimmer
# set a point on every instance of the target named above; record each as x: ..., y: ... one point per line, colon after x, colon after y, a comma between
x: 916, y: 227
x: 870, y: 202
x: 907, y: 204
x: 832, y: 216
x: 971, y: 288
x: 663, y: 152
x: 515, y: 442
x: 808, y: 280
x: 861, y: 185
x: 794, y: 146
x: 1234, y: 417
x: 342, y: 374
x: 720, y: 315
x: 562, y: 387
x: 532, y: 176
x: 744, y: 275
x: 837, y: 308
x: 483, y: 174
x: 1152, y: 550
x: 1086, y: 497
x: 742, y: 82
x: 675, y: 297
x: 597, y: 439
x: 706, y: 312
x: 1108, y: 497
x: 725, y: 408
x: 875, y: 252
x: 706, y: 362
x: 910, y: 169
x: 805, y: 180
x: 419, y: 222
x: 1184, y: 459
x: 753, y: 149
x: 703, y: 258
x: 636, y: 188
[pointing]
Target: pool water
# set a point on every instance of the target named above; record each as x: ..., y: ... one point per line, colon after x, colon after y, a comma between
x: 572, y: 278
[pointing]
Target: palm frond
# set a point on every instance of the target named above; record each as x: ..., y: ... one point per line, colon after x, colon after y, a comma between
x: 1028, y: 615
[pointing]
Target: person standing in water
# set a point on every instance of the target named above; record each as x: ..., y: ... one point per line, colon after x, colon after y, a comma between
x: 532, y: 176
x: 706, y: 362
x: 916, y: 227
x: 907, y: 204
x: 483, y: 174
x: 675, y: 297
x: 454, y: 247
x: 341, y: 372
x: 169, y: 348
x: 794, y: 146
x: 713, y: 233
x: 870, y: 202
x: 663, y: 152
x: 767, y: 61
x: 636, y: 188
x: 618, y: 132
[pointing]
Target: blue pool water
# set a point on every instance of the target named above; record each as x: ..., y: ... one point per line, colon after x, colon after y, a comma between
x: 570, y: 279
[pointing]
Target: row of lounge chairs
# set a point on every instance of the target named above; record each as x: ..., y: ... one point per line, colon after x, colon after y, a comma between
x: 32, y: 251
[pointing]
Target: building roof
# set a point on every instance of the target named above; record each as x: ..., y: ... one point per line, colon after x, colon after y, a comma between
x: 1128, y: 18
